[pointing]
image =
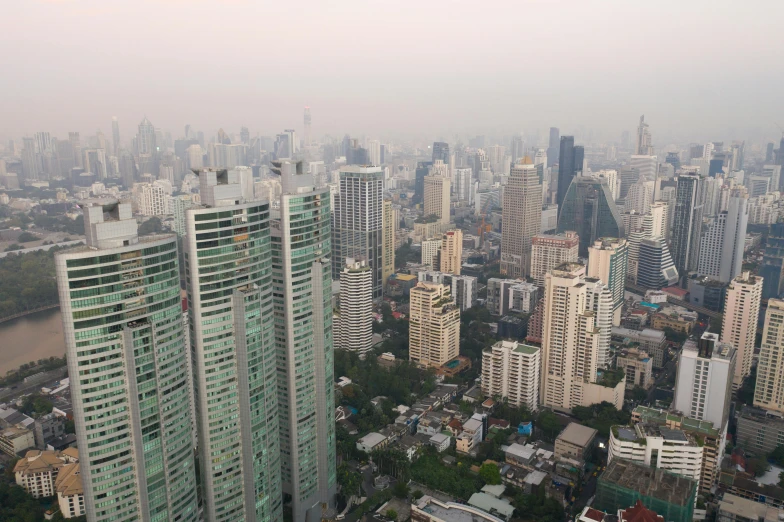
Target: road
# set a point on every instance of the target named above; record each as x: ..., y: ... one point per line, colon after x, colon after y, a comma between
x: 669, y: 369
x: 24, y: 389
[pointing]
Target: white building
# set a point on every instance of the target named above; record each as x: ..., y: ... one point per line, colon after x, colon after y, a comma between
x: 613, y: 181
x: 151, y: 198
x: 354, y: 325
x: 703, y: 386
x: 511, y: 370
x: 739, y: 328
x: 431, y: 248
x: 769, y: 392
x: 549, y: 251
x: 523, y: 297
x: 608, y: 260
x: 646, y: 165
x: 37, y: 471
x: 723, y: 240
x: 70, y: 491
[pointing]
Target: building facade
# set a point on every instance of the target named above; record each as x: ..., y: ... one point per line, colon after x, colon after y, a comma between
x: 769, y: 391
x: 354, y: 319
x: 452, y: 252
x: 589, y: 210
x: 549, y: 251
x: 389, y: 225
x: 434, y: 325
x: 608, y: 260
x: 722, y: 244
x: 739, y: 327
x: 521, y: 217
x: 510, y: 370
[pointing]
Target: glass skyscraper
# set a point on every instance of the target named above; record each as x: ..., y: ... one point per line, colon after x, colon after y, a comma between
x: 127, y: 359
x: 588, y: 209
x: 229, y: 275
x: 302, y: 282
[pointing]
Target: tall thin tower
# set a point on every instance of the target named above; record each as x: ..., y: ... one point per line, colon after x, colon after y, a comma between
x: 228, y: 262
x: 307, y: 126
x: 521, y: 217
x: 116, y: 136
x: 302, y: 289
x: 125, y: 344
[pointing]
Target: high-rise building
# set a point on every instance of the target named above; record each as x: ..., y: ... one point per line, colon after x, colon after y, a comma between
x: 116, y: 136
x: 353, y: 329
x: 124, y: 340
x: 739, y: 328
x: 552, y: 147
x: 639, y: 197
x: 769, y: 391
x: 422, y: 170
x: 464, y: 291
x: 687, y: 224
x: 95, y: 162
x: 451, y: 259
x: 703, y: 387
x: 646, y: 165
x: 550, y: 251
x: 437, y: 201
x: 577, y: 325
x: 76, y: 147
x: 374, y: 152
x: 644, y: 145
x: 511, y: 370
x: 431, y: 250
x: 357, y: 222
x: 589, y: 210
x: 628, y: 177
x: 462, y: 184
x: 145, y: 140
x: 724, y: 240
x: 441, y: 152
x: 389, y: 226
x: 29, y: 160
x: 772, y: 269
x: 434, y: 325
x: 151, y: 199
x: 302, y: 296
x: 608, y: 260
x: 521, y: 217
x: 653, y: 265
x: 228, y: 262
x: 566, y: 167
x: 307, y: 127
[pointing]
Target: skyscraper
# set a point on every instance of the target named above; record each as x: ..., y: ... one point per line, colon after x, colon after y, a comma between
x: 126, y: 350
x: 357, y: 222
x: 739, y: 328
x: 687, y: 224
x: 724, y: 240
x: 644, y: 146
x: 769, y: 391
x: 29, y: 160
x: 521, y: 217
x: 437, y: 200
x: 703, y: 386
x: 434, y: 326
x: 145, y: 140
x: 549, y: 251
x: 307, y: 127
x: 302, y: 290
x: 441, y: 152
x: 552, y: 147
x: 772, y: 269
x: 452, y: 252
x: 511, y: 370
x: 76, y: 147
x: 608, y: 260
x: 566, y: 168
x: 116, y: 136
x: 388, y: 244
x: 228, y: 262
x: 589, y: 210
x: 422, y: 170
x: 354, y: 318
x: 654, y: 267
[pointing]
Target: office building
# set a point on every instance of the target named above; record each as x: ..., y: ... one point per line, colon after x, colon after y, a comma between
x: 567, y: 167
x: 521, y: 218
x: 440, y: 152
x: 301, y: 284
x: 553, y: 146
x: 639, y: 197
x: 464, y: 291
x: 739, y: 327
x: 422, y: 170
x: 434, y: 325
x: 773, y: 172
x: 655, y: 268
x: 76, y: 148
x: 498, y: 295
x: 437, y: 196
x: 724, y: 240
x: 589, y: 210
x: 462, y: 184
x: 769, y: 391
x: 687, y: 224
x: 354, y: 317
x: 577, y: 320
x: 451, y: 258
x: 645, y: 165
x: 431, y: 250
x: 357, y: 222
x: 628, y: 177
x: 228, y: 262
x: 608, y: 261
x: 644, y: 145
x: 126, y: 330
x: 510, y: 370
x: 772, y: 268
x: 307, y: 135
x: 389, y: 229
x: 549, y: 251
x: 703, y: 387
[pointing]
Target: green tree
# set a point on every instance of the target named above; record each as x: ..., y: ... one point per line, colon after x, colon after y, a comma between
x: 151, y: 226
x: 401, y: 489
x: 391, y: 514
x: 417, y: 494
x: 757, y: 466
x: 639, y: 394
x: 489, y: 473
x: 349, y: 481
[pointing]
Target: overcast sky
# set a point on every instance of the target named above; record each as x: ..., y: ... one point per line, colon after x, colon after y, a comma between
x: 698, y: 69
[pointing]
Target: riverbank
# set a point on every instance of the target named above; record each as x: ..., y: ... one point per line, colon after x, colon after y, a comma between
x: 28, y: 312
x: 27, y: 339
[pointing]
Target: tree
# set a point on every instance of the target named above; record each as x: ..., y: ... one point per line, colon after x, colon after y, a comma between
x: 391, y: 514
x: 489, y: 473
x: 349, y: 481
x: 757, y: 466
x: 639, y: 394
x: 401, y: 489
x: 151, y: 226
x: 417, y: 494
x: 777, y: 456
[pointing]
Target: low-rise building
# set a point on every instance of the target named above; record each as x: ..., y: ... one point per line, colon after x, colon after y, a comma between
x: 470, y: 437
x: 371, y: 442
x: 428, y: 509
x: 653, y: 342
x: 70, y: 491
x: 16, y: 439
x: 638, y: 366
x: 37, y: 471
x: 575, y: 441
x: 673, y: 320
x: 47, y: 428
x: 440, y: 442
x: 733, y: 508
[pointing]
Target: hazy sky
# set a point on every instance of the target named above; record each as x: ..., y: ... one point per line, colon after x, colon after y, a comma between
x: 697, y: 69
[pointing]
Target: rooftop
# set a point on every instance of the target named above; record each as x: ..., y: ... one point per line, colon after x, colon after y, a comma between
x: 577, y: 434
x: 650, y: 482
x: 657, y: 416
x: 748, y: 509
x: 453, y: 512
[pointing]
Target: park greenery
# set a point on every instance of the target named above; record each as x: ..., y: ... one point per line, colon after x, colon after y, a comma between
x: 151, y: 226
x: 27, y: 282
x: 536, y: 507
x: 601, y: 417
x: 36, y: 405
x: 31, y: 368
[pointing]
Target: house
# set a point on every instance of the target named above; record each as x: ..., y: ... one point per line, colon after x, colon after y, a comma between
x: 409, y: 446
x: 429, y: 425
x: 371, y: 442
x: 440, y: 441
x: 70, y: 491
x: 470, y: 437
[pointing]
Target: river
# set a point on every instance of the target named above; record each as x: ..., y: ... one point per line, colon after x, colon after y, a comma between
x: 30, y: 338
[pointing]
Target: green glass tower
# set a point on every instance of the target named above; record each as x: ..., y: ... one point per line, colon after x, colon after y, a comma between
x: 127, y: 360
x: 301, y: 277
x: 229, y: 281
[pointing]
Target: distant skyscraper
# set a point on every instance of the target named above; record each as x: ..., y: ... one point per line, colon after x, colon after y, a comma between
x: 422, y: 170
x: 452, y: 252
x: 772, y: 269
x: 374, y: 152
x: 307, y: 127
x: 739, y: 327
x: 130, y: 371
x: 462, y: 183
x: 589, y: 210
x: 550, y: 251
x: 703, y: 387
x: 608, y: 260
x: 434, y: 326
x: 687, y: 224
x: 441, y: 152
x: 235, y: 378
x: 566, y: 167
x: 76, y: 147
x: 388, y: 248
x: 354, y: 328
x: 521, y: 217
x: 644, y: 146
x: 516, y: 151
x: 769, y: 392
x: 769, y: 152
x: 29, y: 160
x: 552, y: 148
x: 116, y: 136
x: 145, y: 140
x: 437, y: 196
x: 302, y: 295
x: 357, y: 222
x: 724, y: 240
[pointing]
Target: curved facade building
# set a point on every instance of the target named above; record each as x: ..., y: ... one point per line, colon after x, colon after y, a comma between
x: 588, y: 209
x: 125, y: 343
